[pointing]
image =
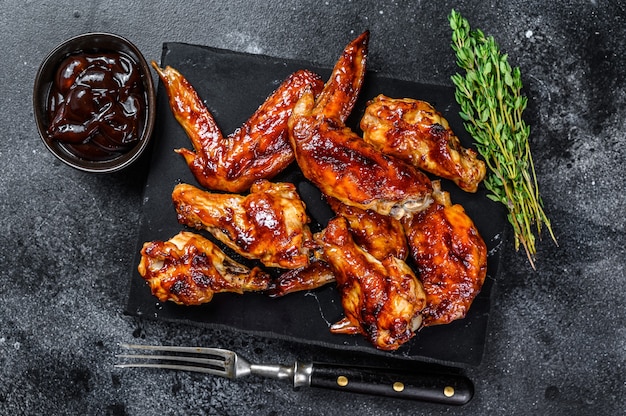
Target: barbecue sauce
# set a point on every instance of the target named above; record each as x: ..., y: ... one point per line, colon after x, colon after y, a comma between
x: 97, y: 105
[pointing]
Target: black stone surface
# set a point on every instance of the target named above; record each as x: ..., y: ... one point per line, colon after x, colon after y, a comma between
x: 556, y: 342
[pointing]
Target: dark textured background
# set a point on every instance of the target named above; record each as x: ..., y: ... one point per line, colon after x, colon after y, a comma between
x: 557, y: 338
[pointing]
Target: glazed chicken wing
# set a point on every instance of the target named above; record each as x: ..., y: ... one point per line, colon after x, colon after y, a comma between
x: 414, y: 131
x: 189, y: 269
x: 259, y: 149
x: 316, y: 274
x: 382, y: 300
x: 451, y: 258
x: 379, y: 235
x: 337, y: 160
x: 269, y: 224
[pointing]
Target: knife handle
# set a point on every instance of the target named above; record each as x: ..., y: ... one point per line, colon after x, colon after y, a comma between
x: 442, y: 388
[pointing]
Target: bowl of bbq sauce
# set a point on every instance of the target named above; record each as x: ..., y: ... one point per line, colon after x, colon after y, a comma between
x: 94, y: 102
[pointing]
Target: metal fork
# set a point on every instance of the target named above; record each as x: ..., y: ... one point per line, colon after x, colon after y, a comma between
x: 446, y: 388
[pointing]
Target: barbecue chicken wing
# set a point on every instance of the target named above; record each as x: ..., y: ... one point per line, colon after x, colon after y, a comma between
x: 269, y: 224
x: 414, y: 131
x: 382, y: 300
x: 259, y: 149
x: 189, y: 269
x: 317, y: 274
x: 379, y: 235
x: 451, y: 258
x: 337, y: 160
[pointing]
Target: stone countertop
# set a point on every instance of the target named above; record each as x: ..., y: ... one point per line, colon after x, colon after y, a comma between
x: 557, y: 337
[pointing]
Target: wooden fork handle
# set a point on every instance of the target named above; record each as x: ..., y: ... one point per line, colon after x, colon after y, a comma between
x: 451, y: 389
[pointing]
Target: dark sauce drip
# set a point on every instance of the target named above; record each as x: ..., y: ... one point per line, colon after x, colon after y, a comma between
x: 97, y: 104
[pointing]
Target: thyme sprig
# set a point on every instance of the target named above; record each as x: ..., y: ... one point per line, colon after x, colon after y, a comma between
x: 491, y: 101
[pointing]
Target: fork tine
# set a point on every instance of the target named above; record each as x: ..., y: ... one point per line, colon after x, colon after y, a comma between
x: 204, y: 370
x: 197, y: 360
x: 216, y: 352
x: 222, y: 366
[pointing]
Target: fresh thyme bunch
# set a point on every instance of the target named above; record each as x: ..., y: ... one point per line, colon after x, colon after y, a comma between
x: 491, y: 106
